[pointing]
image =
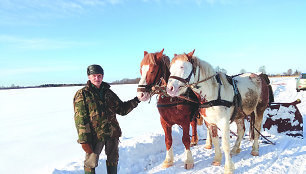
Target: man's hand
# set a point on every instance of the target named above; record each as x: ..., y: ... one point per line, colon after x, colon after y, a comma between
x: 87, y: 148
x: 137, y: 99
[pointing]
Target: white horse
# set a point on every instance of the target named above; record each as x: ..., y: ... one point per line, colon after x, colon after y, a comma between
x: 221, y: 98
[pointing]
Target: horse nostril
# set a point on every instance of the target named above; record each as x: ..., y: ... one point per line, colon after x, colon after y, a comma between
x: 141, y: 95
x: 171, y: 88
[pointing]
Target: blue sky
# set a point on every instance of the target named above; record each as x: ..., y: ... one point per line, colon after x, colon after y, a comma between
x: 53, y: 41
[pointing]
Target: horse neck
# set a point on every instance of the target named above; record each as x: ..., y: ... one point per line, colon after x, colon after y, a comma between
x: 208, y: 89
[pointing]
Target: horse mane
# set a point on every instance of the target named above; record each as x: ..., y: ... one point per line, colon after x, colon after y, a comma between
x: 149, y: 59
x: 206, y: 68
x: 166, y: 61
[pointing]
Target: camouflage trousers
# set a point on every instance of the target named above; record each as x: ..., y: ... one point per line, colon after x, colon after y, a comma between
x: 111, y: 151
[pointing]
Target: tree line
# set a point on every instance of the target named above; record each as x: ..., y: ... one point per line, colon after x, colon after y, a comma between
x: 261, y: 69
x: 123, y: 81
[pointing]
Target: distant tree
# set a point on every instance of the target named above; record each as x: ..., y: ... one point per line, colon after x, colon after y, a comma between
x: 242, y: 71
x: 289, y: 72
x: 126, y: 81
x: 262, y: 69
x: 218, y: 69
x: 296, y: 73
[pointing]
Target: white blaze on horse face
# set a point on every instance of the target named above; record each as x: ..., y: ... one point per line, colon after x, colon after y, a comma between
x: 180, y: 69
x: 144, y: 70
x: 143, y: 96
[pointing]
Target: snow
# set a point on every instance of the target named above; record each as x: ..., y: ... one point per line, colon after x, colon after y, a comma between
x: 38, y: 136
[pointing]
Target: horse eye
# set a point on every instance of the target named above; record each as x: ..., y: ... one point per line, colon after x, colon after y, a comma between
x: 182, y: 67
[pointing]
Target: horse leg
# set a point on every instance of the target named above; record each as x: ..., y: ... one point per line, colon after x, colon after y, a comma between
x: 189, y: 163
x: 229, y: 165
x: 213, y: 131
x: 240, y: 131
x: 257, y: 125
x: 168, y: 140
x: 194, y: 138
x: 208, y: 144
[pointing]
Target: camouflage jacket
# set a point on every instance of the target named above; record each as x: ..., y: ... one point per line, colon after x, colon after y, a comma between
x: 95, y: 113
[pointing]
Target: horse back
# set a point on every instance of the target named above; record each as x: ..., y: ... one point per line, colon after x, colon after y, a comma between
x: 253, y: 90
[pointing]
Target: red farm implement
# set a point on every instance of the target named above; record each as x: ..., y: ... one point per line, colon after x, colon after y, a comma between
x: 285, y: 118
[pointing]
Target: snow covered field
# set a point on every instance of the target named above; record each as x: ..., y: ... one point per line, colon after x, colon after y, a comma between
x: 37, y: 135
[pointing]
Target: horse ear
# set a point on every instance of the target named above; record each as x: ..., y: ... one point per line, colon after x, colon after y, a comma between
x: 160, y: 54
x: 189, y: 55
x: 162, y: 51
x: 145, y: 53
x: 175, y: 55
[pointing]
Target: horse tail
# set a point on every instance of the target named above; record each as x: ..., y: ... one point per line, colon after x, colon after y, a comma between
x: 271, y: 96
x: 266, y: 78
x: 252, y: 127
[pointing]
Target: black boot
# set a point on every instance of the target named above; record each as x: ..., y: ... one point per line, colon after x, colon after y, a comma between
x: 111, y: 168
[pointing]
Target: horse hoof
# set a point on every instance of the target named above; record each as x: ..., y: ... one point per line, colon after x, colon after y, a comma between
x: 254, y: 153
x: 215, y: 163
x: 235, y: 152
x: 207, y: 146
x: 189, y: 166
x: 228, y: 172
x: 167, y: 164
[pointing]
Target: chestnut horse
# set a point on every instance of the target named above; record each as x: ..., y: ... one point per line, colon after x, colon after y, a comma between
x: 154, y: 68
x: 225, y: 99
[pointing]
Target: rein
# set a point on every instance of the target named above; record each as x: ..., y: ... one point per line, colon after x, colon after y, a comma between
x: 157, y: 89
x: 186, y: 81
x: 188, y: 99
x: 252, y: 123
x: 194, y: 85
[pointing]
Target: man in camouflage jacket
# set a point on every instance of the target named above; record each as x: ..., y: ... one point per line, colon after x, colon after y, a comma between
x: 95, y: 107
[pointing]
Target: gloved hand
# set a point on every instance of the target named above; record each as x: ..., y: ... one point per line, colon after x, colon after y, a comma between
x: 87, y: 148
x: 91, y: 161
x: 137, y: 99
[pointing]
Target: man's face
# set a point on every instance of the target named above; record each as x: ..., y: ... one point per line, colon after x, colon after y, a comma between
x: 96, y: 79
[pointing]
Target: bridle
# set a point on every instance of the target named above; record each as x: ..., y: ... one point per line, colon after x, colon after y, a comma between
x: 187, y: 83
x: 148, y: 88
x: 158, y: 85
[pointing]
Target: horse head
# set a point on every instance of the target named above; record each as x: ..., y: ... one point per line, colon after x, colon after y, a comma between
x: 182, y: 73
x: 153, y: 66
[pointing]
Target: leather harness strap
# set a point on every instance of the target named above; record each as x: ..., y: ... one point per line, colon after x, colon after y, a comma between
x: 172, y: 104
x: 186, y: 81
x: 219, y: 102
